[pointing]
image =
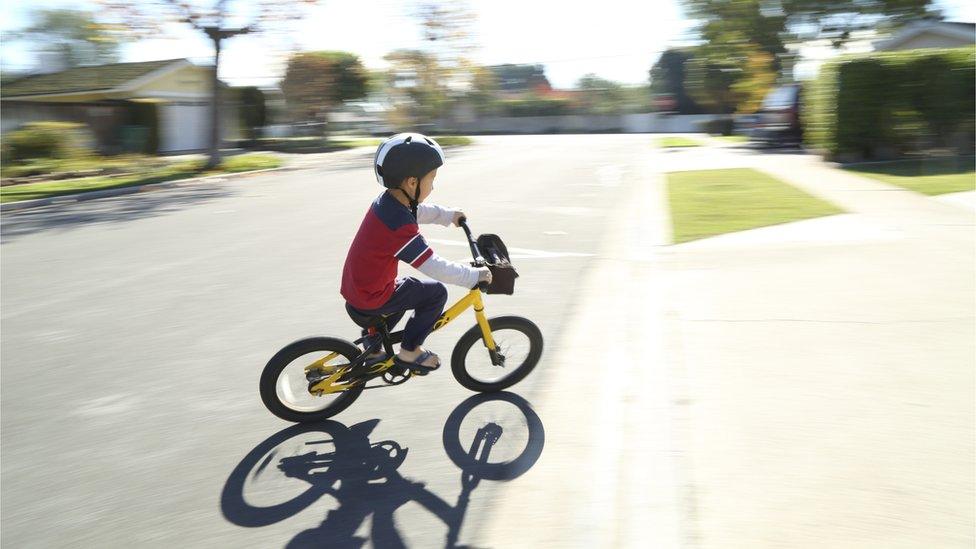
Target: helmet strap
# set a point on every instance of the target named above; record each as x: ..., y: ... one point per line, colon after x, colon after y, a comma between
x: 413, y: 200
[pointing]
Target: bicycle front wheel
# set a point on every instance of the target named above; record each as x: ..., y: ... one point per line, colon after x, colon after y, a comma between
x: 285, y: 385
x: 518, y: 345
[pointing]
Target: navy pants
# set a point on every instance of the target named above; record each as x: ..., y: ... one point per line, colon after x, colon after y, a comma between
x: 425, y: 297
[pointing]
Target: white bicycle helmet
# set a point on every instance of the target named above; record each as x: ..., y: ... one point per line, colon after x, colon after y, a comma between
x: 406, y: 155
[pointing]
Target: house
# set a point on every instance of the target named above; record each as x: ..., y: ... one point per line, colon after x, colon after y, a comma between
x: 125, y: 105
x: 930, y: 34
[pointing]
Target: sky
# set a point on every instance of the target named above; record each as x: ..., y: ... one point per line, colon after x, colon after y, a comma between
x: 615, y: 39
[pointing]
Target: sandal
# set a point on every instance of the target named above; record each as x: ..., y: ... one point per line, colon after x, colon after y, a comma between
x: 418, y: 365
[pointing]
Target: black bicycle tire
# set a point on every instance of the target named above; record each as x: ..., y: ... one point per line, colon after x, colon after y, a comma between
x: 473, y: 336
x: 281, y: 359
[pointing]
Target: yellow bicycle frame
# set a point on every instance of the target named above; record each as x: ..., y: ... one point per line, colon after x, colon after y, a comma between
x: 332, y: 384
x: 472, y: 299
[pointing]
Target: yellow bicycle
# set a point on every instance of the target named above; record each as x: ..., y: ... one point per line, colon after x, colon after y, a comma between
x: 316, y: 378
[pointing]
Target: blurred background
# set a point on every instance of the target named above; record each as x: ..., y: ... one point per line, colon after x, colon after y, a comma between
x: 293, y: 73
x: 744, y: 227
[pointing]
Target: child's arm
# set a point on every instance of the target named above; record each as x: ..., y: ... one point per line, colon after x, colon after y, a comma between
x: 416, y: 253
x: 450, y: 272
x: 432, y: 213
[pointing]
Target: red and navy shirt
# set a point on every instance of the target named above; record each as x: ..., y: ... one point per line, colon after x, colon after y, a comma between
x: 388, y: 233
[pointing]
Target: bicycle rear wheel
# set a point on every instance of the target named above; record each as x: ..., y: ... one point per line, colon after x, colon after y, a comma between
x: 284, y: 385
x: 518, y: 341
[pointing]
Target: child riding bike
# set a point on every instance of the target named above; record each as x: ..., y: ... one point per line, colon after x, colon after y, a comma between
x: 406, y: 164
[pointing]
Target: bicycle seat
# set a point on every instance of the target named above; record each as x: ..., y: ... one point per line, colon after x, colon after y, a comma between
x: 364, y: 320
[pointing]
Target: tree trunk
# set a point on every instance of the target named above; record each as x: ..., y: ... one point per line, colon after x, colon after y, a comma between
x: 214, y: 159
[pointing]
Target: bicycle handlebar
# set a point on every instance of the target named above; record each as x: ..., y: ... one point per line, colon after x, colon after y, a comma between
x: 475, y: 252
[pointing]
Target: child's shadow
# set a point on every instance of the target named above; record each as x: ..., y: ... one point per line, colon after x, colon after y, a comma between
x: 363, y: 476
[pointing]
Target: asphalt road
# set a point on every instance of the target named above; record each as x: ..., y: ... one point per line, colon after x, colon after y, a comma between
x: 135, y: 328
x: 802, y: 385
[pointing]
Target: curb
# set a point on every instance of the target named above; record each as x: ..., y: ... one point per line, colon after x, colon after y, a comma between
x: 107, y: 193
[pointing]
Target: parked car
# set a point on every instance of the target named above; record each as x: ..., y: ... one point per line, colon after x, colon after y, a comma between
x: 778, y: 119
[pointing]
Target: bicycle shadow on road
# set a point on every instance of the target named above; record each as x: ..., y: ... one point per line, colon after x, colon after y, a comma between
x: 129, y: 207
x: 362, y: 476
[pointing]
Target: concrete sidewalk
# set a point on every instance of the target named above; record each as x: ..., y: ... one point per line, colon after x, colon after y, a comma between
x: 832, y: 380
x: 803, y: 385
x: 611, y: 470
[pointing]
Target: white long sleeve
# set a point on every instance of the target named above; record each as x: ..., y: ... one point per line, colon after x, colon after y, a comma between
x: 432, y: 213
x: 449, y: 272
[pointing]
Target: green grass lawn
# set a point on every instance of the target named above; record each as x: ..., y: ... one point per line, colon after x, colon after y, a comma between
x: 711, y: 202
x: 676, y: 141
x: 349, y: 143
x: 452, y: 140
x: 170, y: 172
x: 930, y: 176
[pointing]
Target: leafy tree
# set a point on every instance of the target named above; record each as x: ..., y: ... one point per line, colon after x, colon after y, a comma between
x: 221, y: 20
x: 599, y: 95
x: 771, y: 24
x: 415, y: 84
x: 757, y: 78
x: 667, y: 78
x: 730, y: 81
x: 70, y: 38
x: 483, y: 94
x: 731, y: 23
x: 837, y: 19
x: 315, y: 82
x: 448, y: 31
x: 711, y: 83
x: 745, y: 37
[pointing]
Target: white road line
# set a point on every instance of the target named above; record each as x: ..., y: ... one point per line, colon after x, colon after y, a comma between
x: 521, y: 253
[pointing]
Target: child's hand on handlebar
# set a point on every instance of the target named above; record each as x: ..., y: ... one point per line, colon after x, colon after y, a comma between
x: 458, y: 216
x: 484, y: 275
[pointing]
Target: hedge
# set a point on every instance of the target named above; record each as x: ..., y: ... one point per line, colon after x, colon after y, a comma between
x: 535, y: 107
x: 47, y: 139
x: 891, y: 104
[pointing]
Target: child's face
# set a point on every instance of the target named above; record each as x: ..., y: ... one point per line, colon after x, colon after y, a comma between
x: 426, y: 186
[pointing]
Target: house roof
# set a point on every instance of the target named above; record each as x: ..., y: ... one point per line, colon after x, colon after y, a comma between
x: 951, y: 29
x: 84, y: 79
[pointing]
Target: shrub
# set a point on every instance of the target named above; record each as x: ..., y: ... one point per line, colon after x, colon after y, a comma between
x: 893, y: 103
x: 47, y: 140
x: 535, y: 107
x: 452, y: 140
